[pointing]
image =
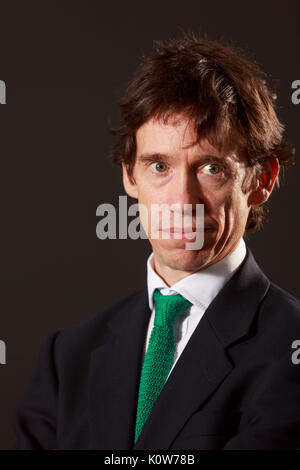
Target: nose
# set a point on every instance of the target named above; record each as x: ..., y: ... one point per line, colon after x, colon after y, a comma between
x: 185, y: 189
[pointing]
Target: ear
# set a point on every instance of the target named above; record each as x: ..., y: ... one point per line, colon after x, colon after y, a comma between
x: 266, y: 181
x: 129, y: 182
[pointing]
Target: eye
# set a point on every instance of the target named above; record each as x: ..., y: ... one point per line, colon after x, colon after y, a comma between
x: 212, y: 169
x: 159, y: 167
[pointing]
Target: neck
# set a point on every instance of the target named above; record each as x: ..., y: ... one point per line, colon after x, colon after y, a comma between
x: 169, y: 275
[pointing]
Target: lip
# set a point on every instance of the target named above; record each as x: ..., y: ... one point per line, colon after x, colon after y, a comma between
x: 181, y: 234
x: 184, y: 230
x: 177, y: 233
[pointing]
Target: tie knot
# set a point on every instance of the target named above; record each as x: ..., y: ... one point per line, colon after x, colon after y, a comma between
x: 168, y: 308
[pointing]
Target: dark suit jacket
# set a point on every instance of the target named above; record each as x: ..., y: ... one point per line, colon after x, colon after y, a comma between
x: 234, y: 386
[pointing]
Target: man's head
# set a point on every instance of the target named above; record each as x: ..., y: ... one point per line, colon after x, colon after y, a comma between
x: 199, y: 126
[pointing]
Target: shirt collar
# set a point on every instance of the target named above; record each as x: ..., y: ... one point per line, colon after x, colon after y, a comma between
x: 201, y: 287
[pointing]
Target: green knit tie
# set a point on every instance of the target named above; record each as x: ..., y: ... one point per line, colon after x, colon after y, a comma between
x: 160, y: 354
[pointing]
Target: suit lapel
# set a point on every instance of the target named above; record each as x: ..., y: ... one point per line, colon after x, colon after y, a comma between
x: 114, y: 374
x: 201, y: 368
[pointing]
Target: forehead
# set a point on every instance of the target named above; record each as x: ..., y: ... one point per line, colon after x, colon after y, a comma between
x: 175, y: 135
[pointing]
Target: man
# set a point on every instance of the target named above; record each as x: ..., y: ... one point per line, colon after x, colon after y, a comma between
x: 201, y: 358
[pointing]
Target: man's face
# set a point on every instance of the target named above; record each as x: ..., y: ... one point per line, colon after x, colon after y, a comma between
x: 170, y: 171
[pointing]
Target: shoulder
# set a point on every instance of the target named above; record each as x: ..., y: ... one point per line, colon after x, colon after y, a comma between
x: 83, y: 337
x: 273, y: 298
x: 281, y: 300
x: 279, y: 316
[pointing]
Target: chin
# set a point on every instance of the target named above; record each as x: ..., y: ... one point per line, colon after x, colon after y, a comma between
x: 176, y: 256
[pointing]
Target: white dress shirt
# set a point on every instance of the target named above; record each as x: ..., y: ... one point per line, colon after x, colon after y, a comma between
x: 200, y: 288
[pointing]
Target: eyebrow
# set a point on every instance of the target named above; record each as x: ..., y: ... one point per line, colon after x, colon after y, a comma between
x: 164, y: 157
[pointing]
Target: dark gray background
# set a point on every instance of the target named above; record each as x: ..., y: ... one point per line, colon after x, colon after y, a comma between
x: 65, y: 65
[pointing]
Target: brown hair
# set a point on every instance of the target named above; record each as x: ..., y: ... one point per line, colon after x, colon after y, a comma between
x: 215, y: 85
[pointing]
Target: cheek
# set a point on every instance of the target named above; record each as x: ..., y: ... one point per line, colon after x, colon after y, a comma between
x: 236, y: 207
x: 149, y: 199
x: 228, y: 205
x: 217, y: 202
x: 149, y: 210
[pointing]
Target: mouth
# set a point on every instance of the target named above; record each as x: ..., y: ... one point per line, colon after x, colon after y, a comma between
x: 181, y: 230
x: 189, y: 229
x: 180, y: 233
